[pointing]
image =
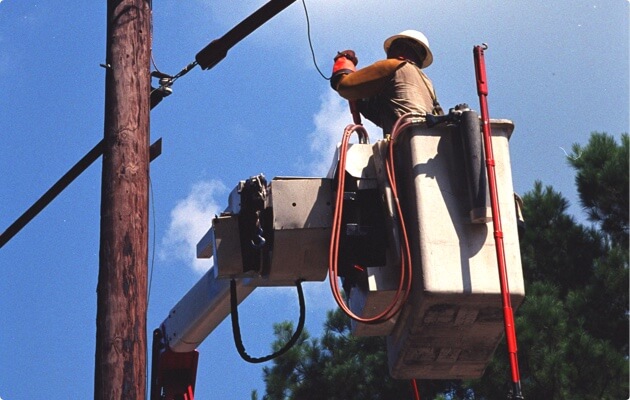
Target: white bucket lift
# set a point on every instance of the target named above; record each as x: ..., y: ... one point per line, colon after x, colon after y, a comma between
x: 455, y: 317
x: 453, y: 320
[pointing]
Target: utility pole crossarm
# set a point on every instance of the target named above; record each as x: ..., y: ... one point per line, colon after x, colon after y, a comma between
x: 59, y: 186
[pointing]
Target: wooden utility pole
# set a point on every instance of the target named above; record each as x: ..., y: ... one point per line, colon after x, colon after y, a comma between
x: 120, y: 368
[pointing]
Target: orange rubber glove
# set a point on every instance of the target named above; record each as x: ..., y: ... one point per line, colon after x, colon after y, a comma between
x: 345, y: 63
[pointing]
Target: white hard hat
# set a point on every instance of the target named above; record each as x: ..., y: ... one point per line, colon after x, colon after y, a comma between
x: 417, y: 37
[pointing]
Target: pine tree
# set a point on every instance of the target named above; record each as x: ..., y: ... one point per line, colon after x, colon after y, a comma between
x: 339, y: 366
x: 602, y: 182
x: 573, y: 325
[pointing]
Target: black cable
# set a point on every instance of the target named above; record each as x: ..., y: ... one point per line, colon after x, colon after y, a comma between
x: 184, y: 71
x: 236, y: 330
x: 154, y: 64
x: 148, y: 385
x: 310, y: 43
x: 153, y: 239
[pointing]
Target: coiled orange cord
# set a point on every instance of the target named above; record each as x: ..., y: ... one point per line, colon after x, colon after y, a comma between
x: 404, y: 284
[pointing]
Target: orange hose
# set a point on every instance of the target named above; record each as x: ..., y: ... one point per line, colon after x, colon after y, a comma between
x: 404, y: 284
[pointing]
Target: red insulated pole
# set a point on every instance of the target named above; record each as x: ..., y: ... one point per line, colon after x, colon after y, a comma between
x: 508, y: 313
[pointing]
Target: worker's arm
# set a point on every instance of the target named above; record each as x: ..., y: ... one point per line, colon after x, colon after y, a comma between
x: 367, y: 81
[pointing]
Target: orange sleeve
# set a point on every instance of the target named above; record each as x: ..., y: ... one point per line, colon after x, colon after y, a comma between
x: 367, y: 81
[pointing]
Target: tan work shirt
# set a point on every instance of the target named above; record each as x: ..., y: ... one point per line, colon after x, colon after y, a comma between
x: 388, y: 89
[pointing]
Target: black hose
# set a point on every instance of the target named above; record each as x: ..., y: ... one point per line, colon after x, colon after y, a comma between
x: 236, y: 330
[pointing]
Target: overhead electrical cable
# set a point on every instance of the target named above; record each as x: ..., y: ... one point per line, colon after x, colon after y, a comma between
x: 310, y: 42
x: 208, y: 57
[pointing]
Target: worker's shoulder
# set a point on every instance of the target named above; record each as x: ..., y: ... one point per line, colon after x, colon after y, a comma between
x: 386, y: 67
x: 390, y: 63
x: 409, y: 69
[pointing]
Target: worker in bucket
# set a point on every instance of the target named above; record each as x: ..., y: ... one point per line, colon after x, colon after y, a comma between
x: 389, y: 88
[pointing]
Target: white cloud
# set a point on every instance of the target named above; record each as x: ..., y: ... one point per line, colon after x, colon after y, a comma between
x: 330, y: 121
x: 190, y: 220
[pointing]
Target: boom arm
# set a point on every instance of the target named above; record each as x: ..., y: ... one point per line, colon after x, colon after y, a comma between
x: 292, y: 217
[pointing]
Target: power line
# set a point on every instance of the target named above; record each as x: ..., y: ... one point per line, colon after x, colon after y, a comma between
x: 208, y: 57
x: 310, y: 42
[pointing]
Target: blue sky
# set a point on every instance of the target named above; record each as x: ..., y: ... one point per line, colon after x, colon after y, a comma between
x: 559, y: 70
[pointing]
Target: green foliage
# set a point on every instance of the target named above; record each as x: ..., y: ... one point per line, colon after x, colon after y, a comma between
x: 602, y: 182
x: 555, y: 249
x: 559, y: 358
x: 339, y: 366
x: 572, y: 328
